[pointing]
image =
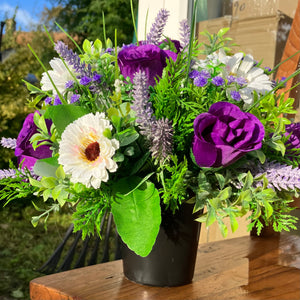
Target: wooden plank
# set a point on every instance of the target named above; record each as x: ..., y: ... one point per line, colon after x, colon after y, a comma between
x: 240, y: 268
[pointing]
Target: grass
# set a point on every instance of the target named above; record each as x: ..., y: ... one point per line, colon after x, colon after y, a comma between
x: 24, y: 249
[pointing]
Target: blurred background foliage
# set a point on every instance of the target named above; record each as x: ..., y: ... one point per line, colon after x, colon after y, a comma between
x: 82, y: 19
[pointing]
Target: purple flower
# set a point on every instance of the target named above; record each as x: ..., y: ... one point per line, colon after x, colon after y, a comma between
x: 235, y: 95
x: 69, y: 84
x: 218, y: 81
x: 97, y: 77
x: 294, y: 139
x: 200, y: 81
x: 224, y: 134
x: 241, y: 81
x: 147, y: 58
x: 48, y: 101
x: 231, y: 79
x: 193, y: 74
x: 24, y: 150
x: 57, y: 101
x: 74, y: 98
x: 85, y: 80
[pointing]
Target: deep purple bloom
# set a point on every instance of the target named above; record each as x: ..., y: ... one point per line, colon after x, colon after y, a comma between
x: 218, y: 81
x: 147, y: 58
x: 24, y: 150
x: 85, y: 80
x: 200, y: 81
x: 224, y: 134
x: 294, y: 140
x: 235, y: 95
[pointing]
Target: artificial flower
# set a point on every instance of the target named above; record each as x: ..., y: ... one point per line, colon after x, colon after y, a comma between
x: 224, y: 134
x: 24, y: 150
x: 86, y: 153
x: 59, y: 74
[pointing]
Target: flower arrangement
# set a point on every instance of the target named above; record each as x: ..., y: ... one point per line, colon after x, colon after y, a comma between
x: 143, y: 128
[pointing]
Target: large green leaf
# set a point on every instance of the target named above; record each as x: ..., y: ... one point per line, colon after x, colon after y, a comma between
x: 137, y: 214
x: 64, y: 114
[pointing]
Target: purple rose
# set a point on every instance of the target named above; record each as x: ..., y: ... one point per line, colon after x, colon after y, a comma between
x: 24, y: 150
x: 224, y: 134
x: 294, y: 139
x: 148, y: 58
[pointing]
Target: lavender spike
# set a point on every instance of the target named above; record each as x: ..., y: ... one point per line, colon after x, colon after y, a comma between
x: 9, y: 173
x: 8, y: 143
x: 154, y: 36
x: 162, y: 142
x: 158, y: 132
x: 185, y: 32
x: 280, y: 177
x: 141, y: 104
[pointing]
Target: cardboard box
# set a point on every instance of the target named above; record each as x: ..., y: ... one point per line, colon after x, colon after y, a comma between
x: 249, y: 9
x: 264, y: 38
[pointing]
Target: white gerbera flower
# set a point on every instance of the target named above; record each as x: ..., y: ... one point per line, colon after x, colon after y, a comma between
x: 242, y: 67
x: 60, y: 76
x: 85, y: 153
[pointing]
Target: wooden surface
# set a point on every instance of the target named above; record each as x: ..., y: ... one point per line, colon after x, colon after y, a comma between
x: 239, y: 268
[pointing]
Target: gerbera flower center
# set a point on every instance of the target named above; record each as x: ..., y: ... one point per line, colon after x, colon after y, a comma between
x: 92, y: 151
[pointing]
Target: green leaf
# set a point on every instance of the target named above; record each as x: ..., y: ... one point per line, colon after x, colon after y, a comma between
x: 221, y: 180
x: 46, y: 167
x: 49, y: 182
x: 137, y: 214
x: 233, y: 223
x: 127, y: 136
x: 260, y: 155
x: 86, y: 46
x: 64, y: 114
x: 225, y: 194
x: 211, y: 217
x: 60, y: 173
x: 248, y: 182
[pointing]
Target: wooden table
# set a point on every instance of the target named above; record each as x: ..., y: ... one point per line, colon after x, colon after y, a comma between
x: 239, y: 268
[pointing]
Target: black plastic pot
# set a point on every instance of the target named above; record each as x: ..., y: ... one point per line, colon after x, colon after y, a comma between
x: 172, y: 259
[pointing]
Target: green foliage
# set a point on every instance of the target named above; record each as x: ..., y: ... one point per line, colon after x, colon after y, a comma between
x: 174, y: 191
x: 217, y: 41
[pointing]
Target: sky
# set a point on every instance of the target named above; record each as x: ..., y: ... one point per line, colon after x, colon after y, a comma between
x: 28, y: 13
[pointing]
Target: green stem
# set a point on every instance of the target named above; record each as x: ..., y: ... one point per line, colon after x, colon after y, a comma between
x: 133, y: 21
